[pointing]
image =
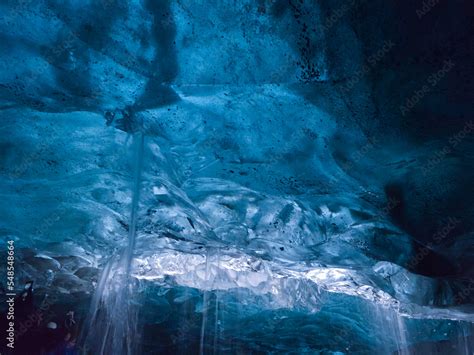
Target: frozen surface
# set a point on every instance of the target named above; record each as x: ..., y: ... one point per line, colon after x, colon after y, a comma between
x: 263, y: 223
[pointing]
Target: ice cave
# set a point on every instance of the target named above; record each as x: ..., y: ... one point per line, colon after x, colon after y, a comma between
x: 237, y: 177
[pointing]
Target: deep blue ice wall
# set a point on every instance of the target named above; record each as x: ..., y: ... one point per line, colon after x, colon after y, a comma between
x: 287, y: 148
x: 433, y: 49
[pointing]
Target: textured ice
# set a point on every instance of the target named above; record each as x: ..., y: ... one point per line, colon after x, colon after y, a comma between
x: 264, y: 224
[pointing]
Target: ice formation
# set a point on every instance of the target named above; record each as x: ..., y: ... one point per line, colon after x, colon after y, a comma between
x: 278, y: 202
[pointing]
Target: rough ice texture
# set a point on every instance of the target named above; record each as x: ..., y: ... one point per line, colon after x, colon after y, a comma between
x: 284, y: 205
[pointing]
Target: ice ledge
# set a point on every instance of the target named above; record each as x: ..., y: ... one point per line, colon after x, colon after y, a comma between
x: 295, y: 286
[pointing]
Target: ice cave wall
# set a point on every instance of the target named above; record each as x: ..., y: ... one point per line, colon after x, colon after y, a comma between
x: 274, y: 131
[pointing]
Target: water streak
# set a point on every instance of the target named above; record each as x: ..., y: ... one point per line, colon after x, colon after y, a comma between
x: 390, y: 330
x: 111, y: 327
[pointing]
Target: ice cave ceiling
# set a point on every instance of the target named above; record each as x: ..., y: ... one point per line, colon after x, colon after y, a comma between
x: 290, y: 198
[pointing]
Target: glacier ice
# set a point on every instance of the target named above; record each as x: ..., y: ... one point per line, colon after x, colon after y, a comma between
x: 266, y: 218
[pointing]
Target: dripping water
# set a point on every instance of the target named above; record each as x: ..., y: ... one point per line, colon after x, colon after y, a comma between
x: 464, y: 344
x: 111, y: 326
x: 216, y: 310
x: 390, y: 330
x: 205, y: 305
x: 209, y: 332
